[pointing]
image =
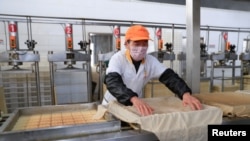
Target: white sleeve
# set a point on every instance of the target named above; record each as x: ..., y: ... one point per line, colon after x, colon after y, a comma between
x: 115, y: 64
x: 156, y: 68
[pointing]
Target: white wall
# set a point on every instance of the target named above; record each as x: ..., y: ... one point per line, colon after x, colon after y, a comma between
x: 51, y: 37
x: 130, y: 10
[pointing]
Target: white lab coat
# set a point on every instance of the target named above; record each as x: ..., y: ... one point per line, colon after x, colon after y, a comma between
x: 121, y: 63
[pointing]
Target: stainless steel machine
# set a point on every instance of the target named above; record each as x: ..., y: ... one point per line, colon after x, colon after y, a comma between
x: 245, y: 61
x: 204, y: 57
x: 70, y: 71
x: 224, y: 59
x: 167, y: 54
x: 21, y: 84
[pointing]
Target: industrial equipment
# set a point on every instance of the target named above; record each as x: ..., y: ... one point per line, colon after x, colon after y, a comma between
x: 225, y: 58
x: 21, y: 84
x: 73, y: 83
x: 167, y: 54
x: 204, y: 57
x: 245, y: 62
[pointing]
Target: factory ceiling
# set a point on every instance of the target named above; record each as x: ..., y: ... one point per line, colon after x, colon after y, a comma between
x: 241, y: 5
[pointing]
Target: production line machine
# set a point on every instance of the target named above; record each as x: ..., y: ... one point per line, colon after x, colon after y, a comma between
x: 204, y: 57
x: 71, y: 82
x: 224, y: 59
x: 245, y: 62
x: 21, y: 85
x: 167, y: 54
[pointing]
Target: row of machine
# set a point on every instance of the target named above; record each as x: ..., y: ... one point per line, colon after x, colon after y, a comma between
x: 62, y: 85
x: 66, y: 90
x: 24, y: 87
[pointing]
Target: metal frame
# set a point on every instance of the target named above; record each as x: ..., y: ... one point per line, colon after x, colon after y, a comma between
x: 108, y: 22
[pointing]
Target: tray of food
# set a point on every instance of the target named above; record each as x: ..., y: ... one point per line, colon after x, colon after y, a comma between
x: 233, y: 104
x: 57, y: 121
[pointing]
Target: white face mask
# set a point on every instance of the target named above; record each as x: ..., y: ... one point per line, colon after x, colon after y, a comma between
x: 138, y: 53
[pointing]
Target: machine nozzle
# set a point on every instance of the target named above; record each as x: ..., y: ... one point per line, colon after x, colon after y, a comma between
x: 168, y: 47
x: 31, y: 44
x: 84, y: 45
x: 232, y: 48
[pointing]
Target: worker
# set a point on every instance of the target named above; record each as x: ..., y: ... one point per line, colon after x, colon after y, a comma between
x: 129, y: 70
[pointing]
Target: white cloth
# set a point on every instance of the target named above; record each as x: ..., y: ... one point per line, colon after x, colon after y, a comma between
x: 171, y: 121
x: 149, y: 69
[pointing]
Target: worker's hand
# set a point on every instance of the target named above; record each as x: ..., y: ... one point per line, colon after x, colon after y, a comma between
x: 143, y: 108
x: 193, y: 102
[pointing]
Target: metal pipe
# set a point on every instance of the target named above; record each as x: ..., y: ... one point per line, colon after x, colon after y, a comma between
x: 207, y: 37
x: 241, y: 76
x: 211, y: 76
x: 222, y: 83
x: 27, y: 89
x: 247, y: 45
x: 233, y: 72
x: 172, y: 36
x: 5, y: 34
x: 89, y: 80
x: 38, y: 84
x: 31, y: 38
x: 219, y: 44
x: 100, y: 95
x: 84, y: 36
x: 125, y: 23
x: 238, y: 40
x: 28, y: 31
x: 51, y: 68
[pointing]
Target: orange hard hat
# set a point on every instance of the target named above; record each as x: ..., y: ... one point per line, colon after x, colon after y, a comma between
x: 137, y: 32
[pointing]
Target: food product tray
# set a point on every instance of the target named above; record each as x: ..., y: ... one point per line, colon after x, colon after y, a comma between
x: 107, y: 124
